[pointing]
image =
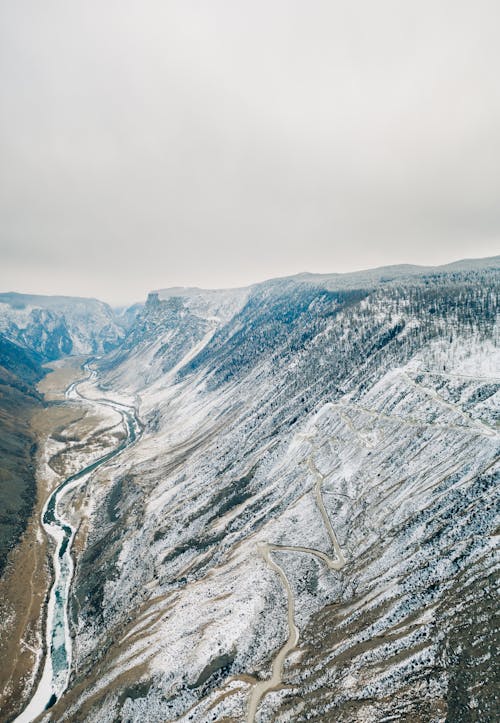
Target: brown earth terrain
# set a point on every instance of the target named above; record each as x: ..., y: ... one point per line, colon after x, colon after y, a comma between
x: 64, y: 372
x: 25, y: 583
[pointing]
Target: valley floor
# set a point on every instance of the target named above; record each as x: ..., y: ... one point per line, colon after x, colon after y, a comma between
x: 66, y: 433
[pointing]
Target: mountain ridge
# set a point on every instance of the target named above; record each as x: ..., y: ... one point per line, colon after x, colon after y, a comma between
x: 358, y: 276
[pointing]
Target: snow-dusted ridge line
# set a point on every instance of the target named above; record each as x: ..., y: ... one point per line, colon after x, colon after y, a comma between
x: 347, y: 279
x: 57, y: 666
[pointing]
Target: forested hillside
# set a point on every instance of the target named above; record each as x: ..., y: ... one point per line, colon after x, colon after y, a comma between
x: 20, y: 370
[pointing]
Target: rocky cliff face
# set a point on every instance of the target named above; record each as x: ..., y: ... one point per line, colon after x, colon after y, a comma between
x: 56, y: 326
x: 319, y: 465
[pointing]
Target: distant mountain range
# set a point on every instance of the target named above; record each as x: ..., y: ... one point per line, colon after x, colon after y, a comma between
x: 56, y: 326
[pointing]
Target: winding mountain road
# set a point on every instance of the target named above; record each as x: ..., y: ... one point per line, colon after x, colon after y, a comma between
x: 474, y: 426
x: 266, y: 549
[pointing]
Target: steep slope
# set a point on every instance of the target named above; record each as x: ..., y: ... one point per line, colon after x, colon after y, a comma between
x: 172, y: 327
x: 54, y: 326
x: 317, y: 475
x: 20, y: 370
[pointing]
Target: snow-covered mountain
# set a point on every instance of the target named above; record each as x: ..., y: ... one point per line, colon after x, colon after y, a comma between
x: 372, y: 398
x: 317, y: 475
x: 56, y: 326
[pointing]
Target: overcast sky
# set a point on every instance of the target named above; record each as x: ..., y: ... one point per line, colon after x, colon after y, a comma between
x: 150, y: 143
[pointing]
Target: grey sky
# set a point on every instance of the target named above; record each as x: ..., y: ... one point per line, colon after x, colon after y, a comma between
x: 153, y: 143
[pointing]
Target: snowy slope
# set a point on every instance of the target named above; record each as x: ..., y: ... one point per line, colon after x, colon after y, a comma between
x: 58, y: 325
x: 318, y: 460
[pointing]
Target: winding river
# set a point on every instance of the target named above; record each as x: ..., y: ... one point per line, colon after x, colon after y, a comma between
x: 57, y: 664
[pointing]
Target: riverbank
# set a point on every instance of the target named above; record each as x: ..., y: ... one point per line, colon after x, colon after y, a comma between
x: 25, y: 584
x: 63, y: 513
x: 67, y: 433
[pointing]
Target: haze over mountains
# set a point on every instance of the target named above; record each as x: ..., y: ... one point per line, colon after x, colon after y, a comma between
x: 56, y: 326
x: 316, y: 472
